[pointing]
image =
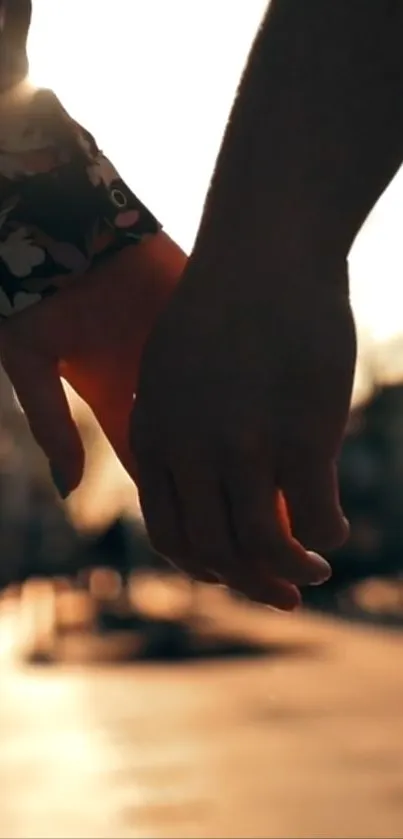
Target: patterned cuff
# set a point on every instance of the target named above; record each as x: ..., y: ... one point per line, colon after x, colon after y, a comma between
x: 62, y: 205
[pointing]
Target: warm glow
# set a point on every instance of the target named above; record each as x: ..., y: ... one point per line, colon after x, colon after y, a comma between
x: 161, y: 597
x: 155, y: 80
x: 149, y: 79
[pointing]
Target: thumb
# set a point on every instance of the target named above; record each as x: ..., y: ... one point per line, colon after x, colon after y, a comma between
x: 312, y: 498
x: 39, y: 389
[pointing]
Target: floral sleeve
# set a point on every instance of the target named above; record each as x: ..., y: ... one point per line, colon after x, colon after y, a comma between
x: 63, y: 206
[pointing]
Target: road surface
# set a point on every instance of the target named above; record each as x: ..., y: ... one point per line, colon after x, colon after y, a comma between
x: 308, y: 743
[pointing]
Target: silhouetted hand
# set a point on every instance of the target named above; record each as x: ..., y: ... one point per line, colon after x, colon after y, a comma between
x: 241, y: 406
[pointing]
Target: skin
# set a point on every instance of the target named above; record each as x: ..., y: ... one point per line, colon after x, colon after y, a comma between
x: 92, y: 333
x: 245, y: 381
x: 15, y: 16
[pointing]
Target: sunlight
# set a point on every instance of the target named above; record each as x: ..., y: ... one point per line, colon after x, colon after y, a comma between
x: 154, y: 81
x: 151, y: 83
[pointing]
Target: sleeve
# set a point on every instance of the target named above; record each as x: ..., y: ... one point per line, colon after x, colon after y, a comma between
x: 63, y: 207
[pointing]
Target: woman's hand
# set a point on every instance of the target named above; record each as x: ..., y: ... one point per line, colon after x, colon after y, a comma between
x: 92, y: 334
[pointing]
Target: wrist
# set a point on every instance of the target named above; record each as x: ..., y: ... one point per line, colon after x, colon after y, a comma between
x: 263, y: 263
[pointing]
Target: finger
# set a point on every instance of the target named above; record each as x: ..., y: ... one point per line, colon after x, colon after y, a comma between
x: 279, y: 594
x: 40, y: 392
x: 205, y: 521
x: 258, y: 527
x: 203, y: 515
x: 158, y: 501
x: 312, y: 498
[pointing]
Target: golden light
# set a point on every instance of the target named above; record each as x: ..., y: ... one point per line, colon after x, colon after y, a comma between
x: 105, y: 584
x: 149, y: 79
x: 161, y: 597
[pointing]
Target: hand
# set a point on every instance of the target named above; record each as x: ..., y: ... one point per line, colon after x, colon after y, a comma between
x: 241, y: 409
x: 91, y: 333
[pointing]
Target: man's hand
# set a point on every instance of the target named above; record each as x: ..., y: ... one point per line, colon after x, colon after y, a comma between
x: 245, y: 385
x: 241, y: 406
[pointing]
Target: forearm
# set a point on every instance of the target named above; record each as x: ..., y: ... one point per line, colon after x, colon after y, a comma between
x: 315, y: 134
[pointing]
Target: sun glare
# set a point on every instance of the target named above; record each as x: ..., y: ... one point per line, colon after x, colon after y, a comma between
x: 154, y: 81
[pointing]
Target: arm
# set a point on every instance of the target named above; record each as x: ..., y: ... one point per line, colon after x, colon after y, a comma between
x: 314, y: 137
x: 246, y: 382
x: 15, y: 18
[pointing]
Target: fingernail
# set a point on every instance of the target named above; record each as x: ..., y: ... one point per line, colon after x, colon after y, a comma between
x: 59, y: 482
x: 323, y: 568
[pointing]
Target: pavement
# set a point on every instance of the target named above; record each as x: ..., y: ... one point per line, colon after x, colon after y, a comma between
x: 303, y: 742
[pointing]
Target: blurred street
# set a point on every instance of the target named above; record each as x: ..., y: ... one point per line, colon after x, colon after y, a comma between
x: 304, y: 741
x: 134, y: 706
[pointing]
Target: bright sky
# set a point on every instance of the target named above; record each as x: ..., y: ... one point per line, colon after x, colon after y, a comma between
x: 154, y: 80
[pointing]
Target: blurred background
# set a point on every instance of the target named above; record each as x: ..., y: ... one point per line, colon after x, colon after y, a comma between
x: 132, y: 703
